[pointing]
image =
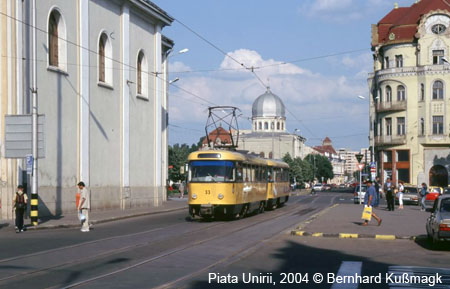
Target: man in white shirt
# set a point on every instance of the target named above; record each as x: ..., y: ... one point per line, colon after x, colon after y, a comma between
x: 84, y: 205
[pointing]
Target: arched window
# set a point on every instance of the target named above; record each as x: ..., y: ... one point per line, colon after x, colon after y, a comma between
x: 401, y: 93
x: 388, y: 94
x: 104, y: 59
x: 56, y: 40
x: 438, y: 90
x: 278, y: 125
x: 260, y: 125
x: 266, y: 125
x: 142, y: 76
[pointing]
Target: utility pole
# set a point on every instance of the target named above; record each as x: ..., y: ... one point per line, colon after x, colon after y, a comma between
x: 34, y: 190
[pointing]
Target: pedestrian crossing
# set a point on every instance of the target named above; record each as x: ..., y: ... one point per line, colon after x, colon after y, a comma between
x: 396, y: 277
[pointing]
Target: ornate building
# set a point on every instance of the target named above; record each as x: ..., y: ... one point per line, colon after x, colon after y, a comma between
x: 268, y: 137
x: 410, y: 93
x: 338, y: 163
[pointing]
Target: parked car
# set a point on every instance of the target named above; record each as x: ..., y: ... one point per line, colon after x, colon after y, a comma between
x: 410, y: 196
x: 438, y: 224
x: 318, y: 187
x: 359, y: 196
x: 327, y: 187
x: 433, y: 194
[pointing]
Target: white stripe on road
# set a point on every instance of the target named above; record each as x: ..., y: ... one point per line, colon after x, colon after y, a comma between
x: 348, y: 269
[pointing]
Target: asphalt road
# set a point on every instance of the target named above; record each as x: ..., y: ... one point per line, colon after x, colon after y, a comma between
x: 172, y: 251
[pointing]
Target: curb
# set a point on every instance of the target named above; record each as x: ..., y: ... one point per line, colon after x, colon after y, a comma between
x: 353, y: 236
x: 101, y: 221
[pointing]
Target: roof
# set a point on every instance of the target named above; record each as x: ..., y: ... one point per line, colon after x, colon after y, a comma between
x: 219, y: 133
x: 403, y: 22
x: 268, y: 105
x: 326, y: 147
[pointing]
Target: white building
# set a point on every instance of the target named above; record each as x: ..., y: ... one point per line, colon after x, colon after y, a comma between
x: 101, y: 70
x: 268, y: 137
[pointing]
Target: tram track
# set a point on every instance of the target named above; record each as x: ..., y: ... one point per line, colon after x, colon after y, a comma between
x: 226, y: 227
x: 238, y: 254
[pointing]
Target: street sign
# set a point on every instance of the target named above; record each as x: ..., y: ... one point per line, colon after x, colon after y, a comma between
x: 359, y: 157
x: 373, y: 164
x: 360, y: 166
x: 19, y: 136
x: 29, y: 159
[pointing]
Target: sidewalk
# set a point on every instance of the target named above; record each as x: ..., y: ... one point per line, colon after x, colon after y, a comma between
x: 98, y: 217
x: 344, y: 221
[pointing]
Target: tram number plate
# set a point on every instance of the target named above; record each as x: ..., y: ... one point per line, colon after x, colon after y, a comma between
x: 207, y: 192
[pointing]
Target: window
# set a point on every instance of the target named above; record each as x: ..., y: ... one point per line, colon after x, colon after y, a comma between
x: 56, y: 40
x: 422, y: 126
x: 438, y: 125
x: 402, y: 156
x: 266, y: 125
x: 403, y: 175
x: 388, y: 94
x: 256, y: 126
x: 438, y: 90
x: 278, y: 125
x: 401, y: 126
x: 422, y: 92
x: 389, y: 126
x: 142, y: 76
x: 260, y: 125
x: 399, y: 60
x: 401, y: 93
x: 381, y: 127
x: 104, y: 59
x: 386, y: 62
x: 375, y: 128
x: 438, y: 55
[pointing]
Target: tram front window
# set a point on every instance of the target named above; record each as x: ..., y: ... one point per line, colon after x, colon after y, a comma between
x: 211, y: 171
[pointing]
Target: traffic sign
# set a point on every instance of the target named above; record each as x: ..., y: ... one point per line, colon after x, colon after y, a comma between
x: 359, y: 157
x: 29, y: 159
x: 360, y: 166
x: 373, y: 164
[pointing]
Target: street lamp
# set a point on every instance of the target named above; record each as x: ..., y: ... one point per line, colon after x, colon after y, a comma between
x: 174, y: 80
x: 179, y: 52
x: 371, y: 134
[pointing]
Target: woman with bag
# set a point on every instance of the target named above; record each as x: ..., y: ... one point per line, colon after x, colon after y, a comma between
x: 20, y: 206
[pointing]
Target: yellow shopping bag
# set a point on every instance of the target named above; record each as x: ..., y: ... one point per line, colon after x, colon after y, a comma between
x: 367, y: 213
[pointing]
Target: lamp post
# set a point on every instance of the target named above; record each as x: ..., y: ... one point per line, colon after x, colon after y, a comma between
x: 371, y: 135
x: 359, y: 157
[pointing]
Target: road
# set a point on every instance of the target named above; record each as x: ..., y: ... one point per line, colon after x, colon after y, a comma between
x: 172, y: 251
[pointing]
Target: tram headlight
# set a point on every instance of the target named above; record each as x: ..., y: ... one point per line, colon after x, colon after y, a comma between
x: 220, y: 196
x: 194, y: 196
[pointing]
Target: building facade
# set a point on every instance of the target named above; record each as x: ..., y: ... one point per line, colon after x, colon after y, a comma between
x: 410, y: 93
x: 103, y: 92
x: 338, y: 163
x: 268, y: 137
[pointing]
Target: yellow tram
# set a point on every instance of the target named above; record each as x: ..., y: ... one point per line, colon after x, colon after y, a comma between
x: 233, y: 184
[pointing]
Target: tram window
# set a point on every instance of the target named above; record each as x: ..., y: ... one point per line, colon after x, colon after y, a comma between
x: 253, y: 173
x: 211, y: 171
x: 270, y: 175
x: 239, y: 173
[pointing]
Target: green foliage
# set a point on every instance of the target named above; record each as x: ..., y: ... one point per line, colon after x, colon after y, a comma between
x: 299, y: 169
x: 323, y: 167
x: 178, y: 155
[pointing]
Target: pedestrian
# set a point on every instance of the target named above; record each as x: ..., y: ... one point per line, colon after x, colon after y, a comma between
x: 369, y: 200
x: 401, y: 190
x: 377, y: 191
x: 181, y: 189
x: 389, y: 190
x: 20, y: 206
x: 423, y: 194
x: 84, y: 206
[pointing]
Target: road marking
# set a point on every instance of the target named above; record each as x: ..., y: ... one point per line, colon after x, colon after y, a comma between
x: 385, y: 237
x: 348, y: 236
x: 348, y: 269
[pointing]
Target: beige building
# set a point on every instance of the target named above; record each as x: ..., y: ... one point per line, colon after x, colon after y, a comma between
x: 338, y: 163
x: 410, y: 93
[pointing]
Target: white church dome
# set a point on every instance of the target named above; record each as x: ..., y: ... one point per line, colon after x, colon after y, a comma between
x: 268, y: 105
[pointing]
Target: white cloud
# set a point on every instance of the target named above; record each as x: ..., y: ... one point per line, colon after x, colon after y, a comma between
x: 330, y: 5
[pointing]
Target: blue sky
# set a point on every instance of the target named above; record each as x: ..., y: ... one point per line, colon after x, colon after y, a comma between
x: 321, y: 93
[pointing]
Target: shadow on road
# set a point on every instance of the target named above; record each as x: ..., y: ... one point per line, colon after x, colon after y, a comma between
x: 426, y: 243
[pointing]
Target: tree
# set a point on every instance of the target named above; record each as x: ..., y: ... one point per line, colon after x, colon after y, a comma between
x: 321, y: 165
x: 178, y: 155
x: 299, y: 169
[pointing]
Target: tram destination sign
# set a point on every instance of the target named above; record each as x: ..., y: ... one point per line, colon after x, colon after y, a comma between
x: 19, y: 136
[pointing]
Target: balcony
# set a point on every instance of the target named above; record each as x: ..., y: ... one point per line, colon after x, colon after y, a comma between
x: 391, y: 106
x: 410, y: 70
x: 390, y: 140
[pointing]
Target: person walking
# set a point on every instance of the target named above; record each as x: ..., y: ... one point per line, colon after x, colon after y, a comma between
x: 181, y: 189
x: 423, y: 194
x: 369, y: 200
x: 377, y: 191
x: 20, y: 206
x: 389, y: 190
x: 401, y: 190
x: 84, y: 206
